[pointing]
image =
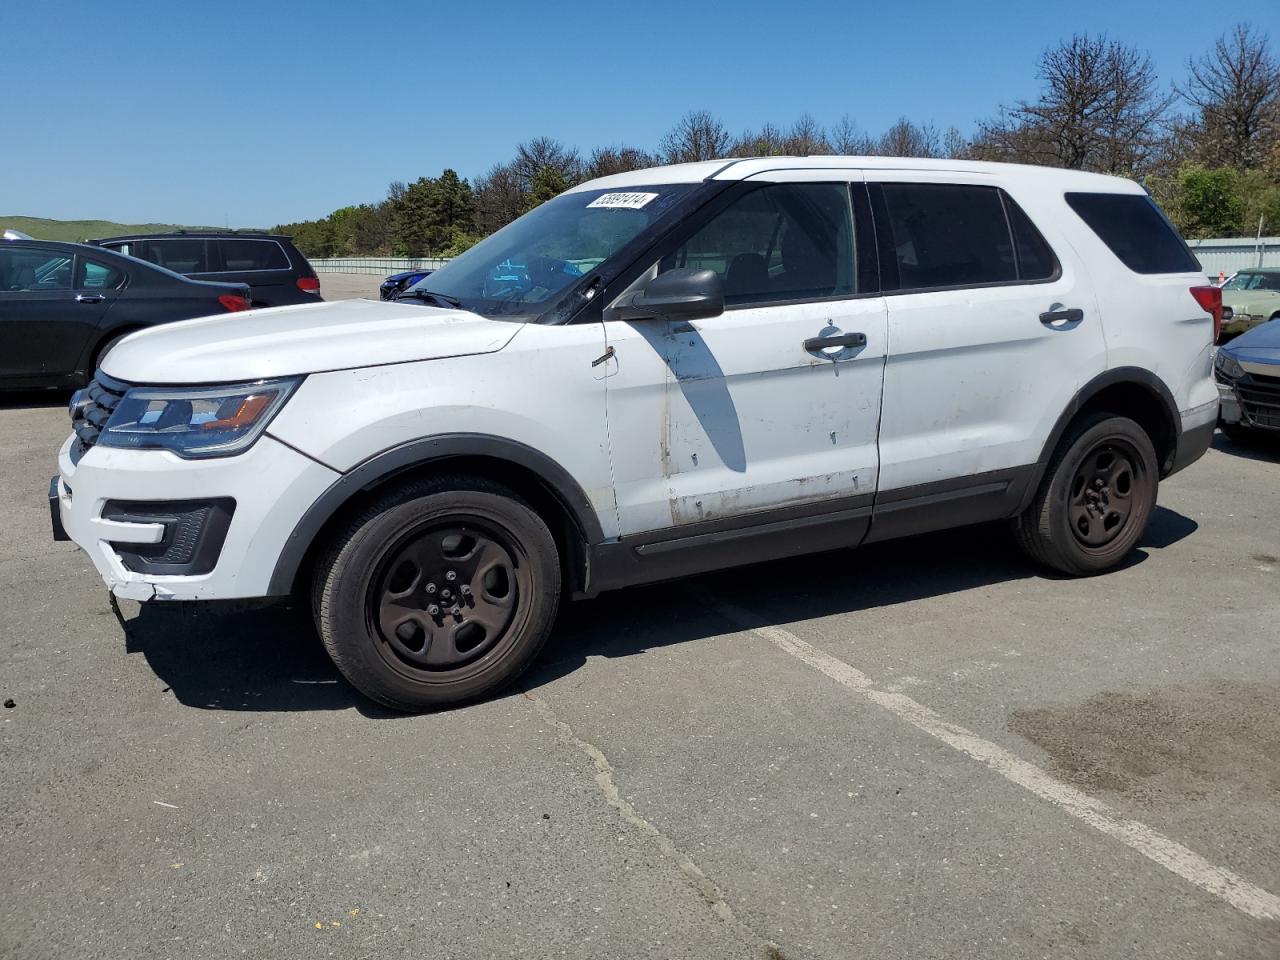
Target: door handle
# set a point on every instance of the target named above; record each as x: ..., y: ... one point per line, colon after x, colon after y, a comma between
x: 89, y: 298
x: 839, y: 340
x: 1072, y: 315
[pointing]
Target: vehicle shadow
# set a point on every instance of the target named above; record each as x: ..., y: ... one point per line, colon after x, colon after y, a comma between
x: 228, y: 656
x: 34, y: 399
x: 1264, y: 447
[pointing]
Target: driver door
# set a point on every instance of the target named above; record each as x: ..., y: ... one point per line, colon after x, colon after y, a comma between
x: 749, y: 418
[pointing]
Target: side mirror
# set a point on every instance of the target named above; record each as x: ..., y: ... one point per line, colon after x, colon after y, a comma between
x: 685, y: 293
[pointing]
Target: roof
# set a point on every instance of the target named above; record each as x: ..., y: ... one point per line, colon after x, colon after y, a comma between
x: 747, y: 167
x: 198, y: 235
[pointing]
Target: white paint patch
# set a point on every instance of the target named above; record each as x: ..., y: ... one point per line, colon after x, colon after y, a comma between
x: 1173, y: 856
x: 161, y: 803
x: 622, y: 201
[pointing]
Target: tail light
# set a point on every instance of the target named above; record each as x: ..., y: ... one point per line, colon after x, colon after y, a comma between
x: 233, y: 302
x: 309, y: 285
x: 1210, y: 300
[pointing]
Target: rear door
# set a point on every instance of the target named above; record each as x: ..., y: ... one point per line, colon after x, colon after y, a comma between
x: 44, y: 323
x: 992, y: 330
x: 734, y: 418
x: 263, y: 264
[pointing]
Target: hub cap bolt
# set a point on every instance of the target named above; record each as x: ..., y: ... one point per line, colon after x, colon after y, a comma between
x: 465, y: 590
x: 455, y: 611
x: 433, y: 610
x: 451, y: 576
x: 431, y: 588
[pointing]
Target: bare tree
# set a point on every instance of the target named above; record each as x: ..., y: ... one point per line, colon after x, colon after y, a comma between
x: 847, y: 140
x: 806, y: 138
x: 768, y: 141
x: 609, y: 160
x: 698, y: 135
x: 906, y: 139
x: 955, y: 145
x: 500, y: 197
x: 1101, y: 109
x: 546, y: 153
x: 1235, y: 90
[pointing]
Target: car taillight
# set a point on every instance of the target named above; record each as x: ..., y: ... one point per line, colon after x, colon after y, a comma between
x: 309, y: 285
x: 1210, y: 300
x: 233, y: 302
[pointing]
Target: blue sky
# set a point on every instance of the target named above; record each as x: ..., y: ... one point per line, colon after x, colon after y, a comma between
x: 253, y: 112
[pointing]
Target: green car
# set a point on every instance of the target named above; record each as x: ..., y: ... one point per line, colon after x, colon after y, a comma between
x: 1253, y: 296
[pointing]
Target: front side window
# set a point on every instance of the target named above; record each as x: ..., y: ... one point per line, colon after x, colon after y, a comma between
x: 523, y: 269
x: 948, y: 235
x: 1253, y: 281
x: 33, y: 270
x: 781, y: 243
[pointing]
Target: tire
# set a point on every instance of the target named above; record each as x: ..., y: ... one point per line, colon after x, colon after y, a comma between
x: 405, y: 633
x: 1095, y: 499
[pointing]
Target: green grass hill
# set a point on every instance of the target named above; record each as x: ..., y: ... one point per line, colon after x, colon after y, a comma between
x: 77, y: 230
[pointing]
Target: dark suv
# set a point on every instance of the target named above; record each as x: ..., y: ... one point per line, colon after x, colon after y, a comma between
x: 271, y: 265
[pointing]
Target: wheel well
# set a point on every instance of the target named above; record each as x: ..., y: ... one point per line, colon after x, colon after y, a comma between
x: 1145, y: 408
x: 95, y: 357
x: 569, y: 537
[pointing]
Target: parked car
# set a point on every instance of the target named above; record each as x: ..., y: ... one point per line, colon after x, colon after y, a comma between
x: 276, y: 272
x: 1248, y: 374
x: 397, y: 283
x: 64, y: 305
x: 1253, y: 297
x: 656, y: 374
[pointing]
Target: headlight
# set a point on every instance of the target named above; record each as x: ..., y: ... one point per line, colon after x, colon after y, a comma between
x: 196, y: 421
x: 1228, y: 366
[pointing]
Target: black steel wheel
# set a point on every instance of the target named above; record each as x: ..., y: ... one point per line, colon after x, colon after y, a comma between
x: 1095, y: 499
x: 440, y: 592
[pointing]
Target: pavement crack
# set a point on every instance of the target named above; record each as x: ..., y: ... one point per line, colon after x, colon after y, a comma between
x: 703, y: 885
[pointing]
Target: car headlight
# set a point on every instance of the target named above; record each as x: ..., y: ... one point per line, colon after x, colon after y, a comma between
x: 1228, y: 366
x: 196, y: 422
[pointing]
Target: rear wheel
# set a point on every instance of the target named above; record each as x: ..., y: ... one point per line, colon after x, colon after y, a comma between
x: 440, y: 592
x: 1096, y: 497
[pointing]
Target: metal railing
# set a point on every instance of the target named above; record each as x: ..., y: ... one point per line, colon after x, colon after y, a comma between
x: 376, y: 266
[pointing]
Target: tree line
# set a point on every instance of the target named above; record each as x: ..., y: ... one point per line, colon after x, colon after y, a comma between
x: 1207, y: 148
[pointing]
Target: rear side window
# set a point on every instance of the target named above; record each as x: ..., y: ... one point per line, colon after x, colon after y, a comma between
x: 180, y: 256
x: 1136, y: 231
x: 98, y: 276
x: 1035, y: 259
x: 252, y: 255
x: 948, y: 235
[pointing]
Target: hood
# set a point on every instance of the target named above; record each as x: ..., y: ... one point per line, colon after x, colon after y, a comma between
x: 1259, y: 345
x: 308, y: 338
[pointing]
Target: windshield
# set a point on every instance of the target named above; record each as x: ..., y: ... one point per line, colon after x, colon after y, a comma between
x: 1253, y: 281
x: 524, y: 268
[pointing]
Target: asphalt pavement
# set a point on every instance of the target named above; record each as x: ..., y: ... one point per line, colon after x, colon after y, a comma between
x: 919, y: 749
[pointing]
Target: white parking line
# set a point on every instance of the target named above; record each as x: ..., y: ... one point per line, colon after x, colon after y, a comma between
x: 1189, y: 865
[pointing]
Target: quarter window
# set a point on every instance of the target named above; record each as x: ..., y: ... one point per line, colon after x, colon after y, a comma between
x: 784, y: 242
x: 1136, y: 231
x: 1035, y: 258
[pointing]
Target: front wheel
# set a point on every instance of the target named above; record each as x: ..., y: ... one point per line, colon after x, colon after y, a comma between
x: 1096, y: 497
x: 440, y: 592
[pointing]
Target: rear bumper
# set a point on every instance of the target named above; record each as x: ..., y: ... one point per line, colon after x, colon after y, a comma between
x: 1196, y: 435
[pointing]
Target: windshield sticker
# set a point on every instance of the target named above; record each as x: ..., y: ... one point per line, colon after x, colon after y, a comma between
x: 622, y: 201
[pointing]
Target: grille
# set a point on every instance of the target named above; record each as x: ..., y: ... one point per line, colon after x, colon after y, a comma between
x: 91, y: 409
x: 1260, y: 398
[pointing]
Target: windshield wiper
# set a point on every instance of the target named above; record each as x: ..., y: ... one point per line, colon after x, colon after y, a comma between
x: 430, y: 296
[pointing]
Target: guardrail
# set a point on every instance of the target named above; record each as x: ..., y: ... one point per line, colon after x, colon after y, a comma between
x: 376, y: 266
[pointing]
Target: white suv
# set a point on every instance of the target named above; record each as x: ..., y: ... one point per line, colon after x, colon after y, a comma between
x: 655, y: 374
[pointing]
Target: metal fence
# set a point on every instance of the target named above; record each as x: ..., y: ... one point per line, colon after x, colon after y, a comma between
x: 376, y: 266
x: 1215, y: 256
x: 1228, y: 256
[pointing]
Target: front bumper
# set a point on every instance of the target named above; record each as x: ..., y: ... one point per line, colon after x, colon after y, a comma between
x: 270, y: 484
x: 1250, y: 402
